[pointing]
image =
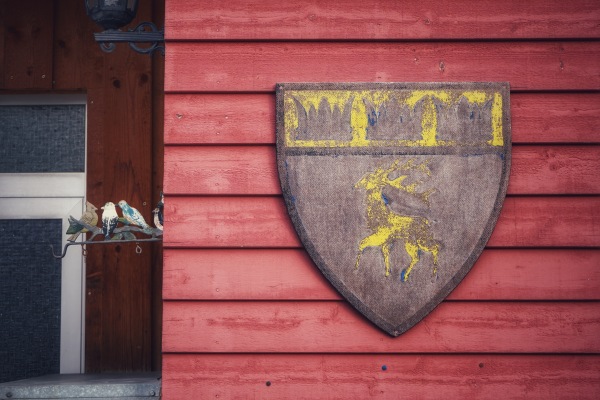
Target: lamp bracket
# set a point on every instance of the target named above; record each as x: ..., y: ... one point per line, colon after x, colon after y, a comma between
x: 146, y: 32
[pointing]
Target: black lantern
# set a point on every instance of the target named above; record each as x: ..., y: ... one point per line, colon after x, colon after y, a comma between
x: 112, y: 15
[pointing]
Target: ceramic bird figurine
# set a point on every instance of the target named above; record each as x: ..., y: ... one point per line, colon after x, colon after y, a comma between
x: 132, y: 215
x: 161, y: 202
x: 160, y: 207
x: 157, y: 218
x: 90, y: 217
x: 109, y: 219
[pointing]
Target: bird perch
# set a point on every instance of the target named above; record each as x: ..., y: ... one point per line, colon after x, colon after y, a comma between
x: 121, y: 234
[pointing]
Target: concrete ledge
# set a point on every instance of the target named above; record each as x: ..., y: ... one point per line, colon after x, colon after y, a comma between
x: 122, y: 386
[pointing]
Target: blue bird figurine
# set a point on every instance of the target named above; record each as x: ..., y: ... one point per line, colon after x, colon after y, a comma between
x: 132, y: 215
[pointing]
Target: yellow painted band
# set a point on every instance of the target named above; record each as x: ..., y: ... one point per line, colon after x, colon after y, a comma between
x: 339, y: 100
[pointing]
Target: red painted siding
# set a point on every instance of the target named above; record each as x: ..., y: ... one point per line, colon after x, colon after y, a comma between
x: 256, y: 66
x: 207, y: 118
x: 251, y: 170
x: 247, y: 314
x: 362, y: 376
x: 376, y: 20
x: 255, y: 274
x: 259, y: 221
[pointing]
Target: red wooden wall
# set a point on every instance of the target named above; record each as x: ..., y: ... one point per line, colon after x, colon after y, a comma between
x: 246, y: 313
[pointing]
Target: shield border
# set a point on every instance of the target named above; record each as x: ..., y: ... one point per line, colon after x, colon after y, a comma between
x: 501, y: 87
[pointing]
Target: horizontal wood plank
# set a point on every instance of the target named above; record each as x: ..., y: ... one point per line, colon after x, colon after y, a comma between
x: 555, y: 170
x: 221, y: 118
x: 263, y: 222
x: 250, y: 118
x: 335, y: 327
x: 548, y: 222
x: 252, y: 170
x: 555, y: 117
x: 235, y: 170
x: 289, y: 274
x: 227, y: 222
x: 379, y: 376
x: 525, y: 274
x: 374, y: 19
x: 243, y: 67
x: 239, y: 274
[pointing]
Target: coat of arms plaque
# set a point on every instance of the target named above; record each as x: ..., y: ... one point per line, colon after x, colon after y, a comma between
x: 394, y: 188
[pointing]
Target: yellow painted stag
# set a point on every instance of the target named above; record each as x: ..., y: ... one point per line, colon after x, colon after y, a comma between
x: 387, y: 226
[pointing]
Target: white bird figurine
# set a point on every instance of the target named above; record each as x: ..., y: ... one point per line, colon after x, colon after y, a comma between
x: 132, y: 215
x: 90, y: 217
x: 109, y: 219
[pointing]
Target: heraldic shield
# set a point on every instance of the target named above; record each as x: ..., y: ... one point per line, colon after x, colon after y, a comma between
x: 394, y: 188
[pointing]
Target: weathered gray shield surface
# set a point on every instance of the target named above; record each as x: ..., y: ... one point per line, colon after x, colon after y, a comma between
x: 394, y: 189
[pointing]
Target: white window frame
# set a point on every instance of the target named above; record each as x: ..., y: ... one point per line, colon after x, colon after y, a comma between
x: 54, y: 196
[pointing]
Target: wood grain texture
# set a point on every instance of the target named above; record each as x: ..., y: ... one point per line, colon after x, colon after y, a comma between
x: 344, y: 377
x: 373, y: 19
x: 250, y: 118
x: 3, y: 56
x: 263, y: 222
x: 221, y: 170
x: 158, y: 145
x: 548, y: 222
x: 227, y: 222
x: 48, y: 47
x: 257, y: 67
x: 28, y: 34
x: 118, y: 166
x: 220, y: 119
x: 335, y: 327
x: 289, y: 274
x: 244, y: 304
x: 252, y: 170
x: 555, y: 117
x: 556, y: 170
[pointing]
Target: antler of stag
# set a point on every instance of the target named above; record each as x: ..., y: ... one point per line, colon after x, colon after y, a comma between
x: 411, y: 189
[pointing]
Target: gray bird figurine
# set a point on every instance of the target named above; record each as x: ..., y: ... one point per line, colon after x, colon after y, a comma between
x: 161, y: 202
x: 157, y: 218
x: 160, y: 207
x: 109, y: 219
x: 90, y: 217
x: 132, y: 215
